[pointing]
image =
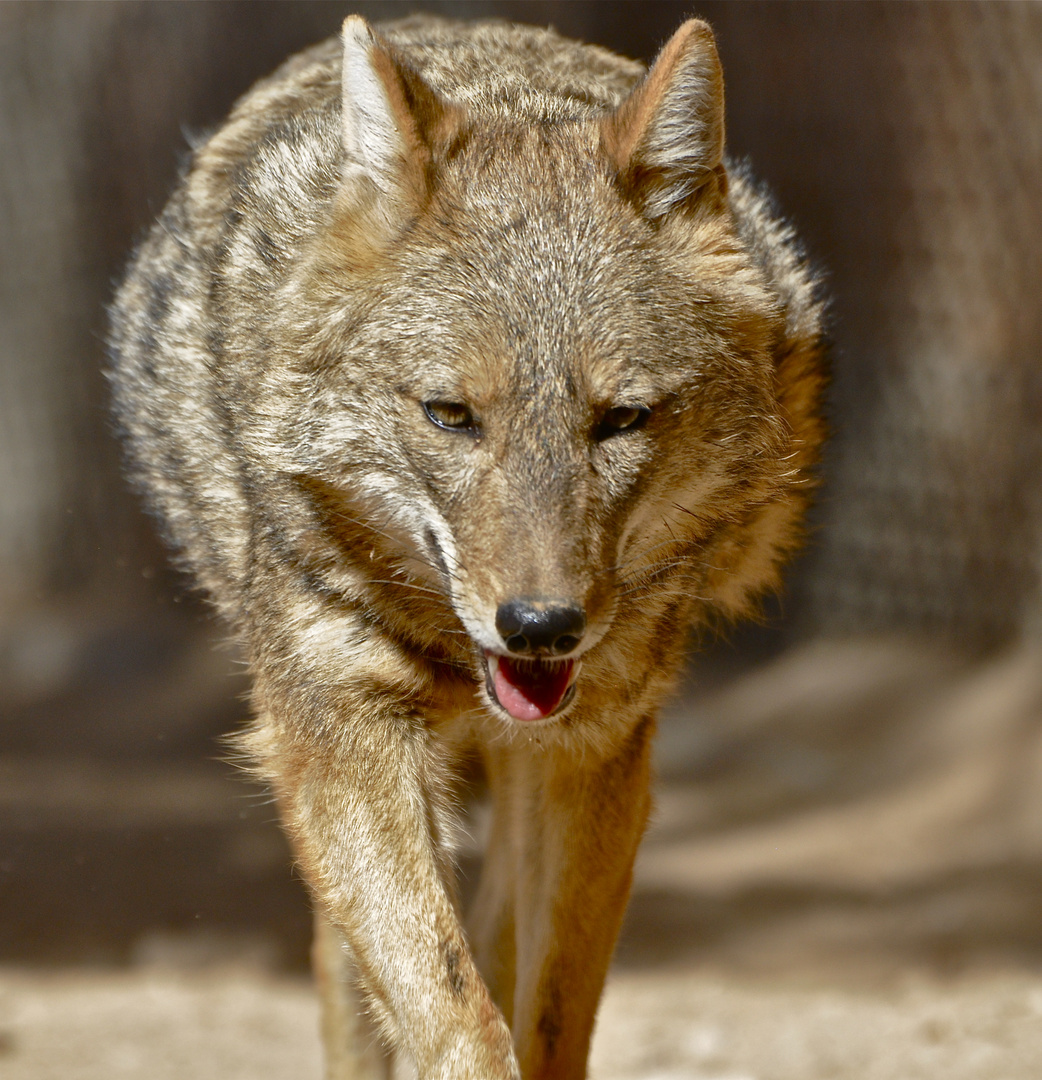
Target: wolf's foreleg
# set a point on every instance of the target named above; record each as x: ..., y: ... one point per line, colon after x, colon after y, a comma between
x: 569, y: 825
x: 491, y: 922
x: 359, y: 788
x: 354, y: 1048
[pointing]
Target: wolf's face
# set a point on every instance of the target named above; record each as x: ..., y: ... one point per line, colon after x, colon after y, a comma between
x: 543, y: 396
x: 547, y: 402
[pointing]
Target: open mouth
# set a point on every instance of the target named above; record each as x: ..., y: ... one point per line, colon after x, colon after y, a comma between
x: 530, y: 689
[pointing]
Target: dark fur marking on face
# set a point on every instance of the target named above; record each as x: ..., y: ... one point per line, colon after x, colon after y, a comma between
x: 437, y: 556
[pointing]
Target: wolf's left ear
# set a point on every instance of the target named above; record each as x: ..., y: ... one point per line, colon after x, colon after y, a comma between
x: 667, y: 137
x: 391, y: 117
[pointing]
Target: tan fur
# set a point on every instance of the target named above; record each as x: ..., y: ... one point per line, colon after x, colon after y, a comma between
x: 523, y: 232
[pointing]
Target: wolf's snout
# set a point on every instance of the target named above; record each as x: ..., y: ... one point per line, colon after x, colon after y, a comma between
x: 546, y: 627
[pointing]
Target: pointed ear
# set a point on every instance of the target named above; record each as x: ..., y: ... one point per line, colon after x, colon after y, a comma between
x: 391, y: 118
x: 667, y: 137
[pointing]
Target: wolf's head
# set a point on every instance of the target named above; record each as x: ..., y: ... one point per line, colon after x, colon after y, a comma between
x: 546, y: 414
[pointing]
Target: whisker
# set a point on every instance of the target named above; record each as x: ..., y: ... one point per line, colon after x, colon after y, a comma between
x: 396, y: 540
x: 407, y: 585
x: 686, y: 551
x: 642, y: 553
x: 654, y: 568
x: 365, y: 524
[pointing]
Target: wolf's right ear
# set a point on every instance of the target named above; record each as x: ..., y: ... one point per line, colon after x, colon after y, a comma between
x: 667, y: 138
x: 391, y: 118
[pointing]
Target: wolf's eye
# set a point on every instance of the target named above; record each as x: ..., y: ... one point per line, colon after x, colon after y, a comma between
x: 451, y: 415
x: 621, y: 418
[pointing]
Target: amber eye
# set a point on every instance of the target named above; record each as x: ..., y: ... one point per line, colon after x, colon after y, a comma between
x: 451, y: 415
x: 621, y: 418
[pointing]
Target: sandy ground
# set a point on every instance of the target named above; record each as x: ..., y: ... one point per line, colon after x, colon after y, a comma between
x: 677, y: 1026
x: 843, y: 881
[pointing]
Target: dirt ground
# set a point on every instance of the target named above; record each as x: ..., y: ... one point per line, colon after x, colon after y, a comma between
x: 843, y: 882
x: 690, y: 1025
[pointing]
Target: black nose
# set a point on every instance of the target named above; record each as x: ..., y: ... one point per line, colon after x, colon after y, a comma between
x: 529, y: 626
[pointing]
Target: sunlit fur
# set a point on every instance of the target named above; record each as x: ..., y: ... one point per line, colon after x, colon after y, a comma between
x: 494, y: 216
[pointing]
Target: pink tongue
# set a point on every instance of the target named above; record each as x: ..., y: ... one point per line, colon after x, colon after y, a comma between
x: 529, y: 689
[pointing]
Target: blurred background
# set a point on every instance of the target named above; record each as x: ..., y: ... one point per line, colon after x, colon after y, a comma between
x: 851, y: 790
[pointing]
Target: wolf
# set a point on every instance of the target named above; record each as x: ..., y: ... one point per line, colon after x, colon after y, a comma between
x: 466, y: 375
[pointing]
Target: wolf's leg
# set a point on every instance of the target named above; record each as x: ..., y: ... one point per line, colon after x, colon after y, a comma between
x: 491, y: 922
x: 354, y: 1049
x: 574, y: 821
x: 359, y: 785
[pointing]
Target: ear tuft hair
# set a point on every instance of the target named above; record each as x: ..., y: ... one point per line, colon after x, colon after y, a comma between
x: 372, y: 141
x: 667, y: 137
x: 391, y: 117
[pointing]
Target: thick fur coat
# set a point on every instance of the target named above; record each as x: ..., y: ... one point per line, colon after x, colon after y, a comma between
x: 466, y: 376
